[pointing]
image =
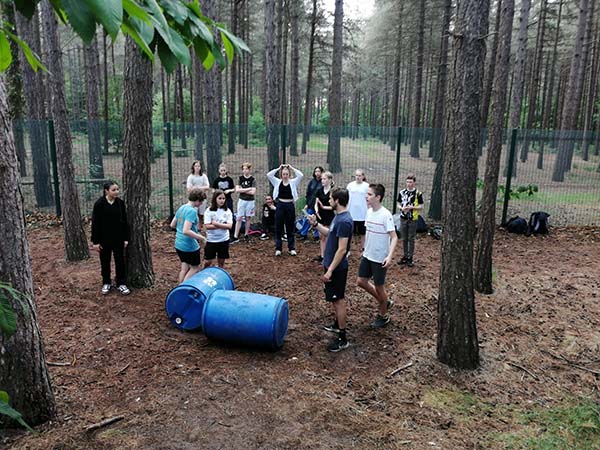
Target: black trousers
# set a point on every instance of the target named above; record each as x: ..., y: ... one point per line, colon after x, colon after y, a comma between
x: 285, y: 216
x: 118, y: 251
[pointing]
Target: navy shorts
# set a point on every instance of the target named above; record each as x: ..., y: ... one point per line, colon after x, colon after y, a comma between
x: 191, y: 258
x: 214, y: 250
x: 359, y: 228
x: 370, y: 269
x: 336, y: 288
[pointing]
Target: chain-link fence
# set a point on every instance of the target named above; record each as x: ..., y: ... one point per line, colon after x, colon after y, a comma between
x: 386, y: 155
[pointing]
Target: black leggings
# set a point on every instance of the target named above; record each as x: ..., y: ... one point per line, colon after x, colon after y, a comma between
x: 285, y: 214
x: 118, y: 250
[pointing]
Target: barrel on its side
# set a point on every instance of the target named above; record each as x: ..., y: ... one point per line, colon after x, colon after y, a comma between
x: 245, y: 318
x: 185, y: 303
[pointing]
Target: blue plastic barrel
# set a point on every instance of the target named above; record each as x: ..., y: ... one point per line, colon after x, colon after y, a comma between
x: 245, y: 318
x: 184, y: 304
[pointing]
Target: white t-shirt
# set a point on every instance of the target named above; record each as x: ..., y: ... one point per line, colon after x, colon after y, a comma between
x: 357, y: 205
x: 220, y: 216
x: 377, y: 243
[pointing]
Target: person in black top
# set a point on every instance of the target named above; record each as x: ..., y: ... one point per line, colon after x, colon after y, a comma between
x: 110, y: 236
x: 225, y: 183
x: 323, y: 210
x: 410, y: 202
x: 268, y: 217
x: 312, y: 188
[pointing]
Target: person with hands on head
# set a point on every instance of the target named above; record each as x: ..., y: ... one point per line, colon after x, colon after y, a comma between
x: 380, y: 244
x: 285, y: 193
x: 187, y: 247
x: 110, y: 236
x: 335, y: 264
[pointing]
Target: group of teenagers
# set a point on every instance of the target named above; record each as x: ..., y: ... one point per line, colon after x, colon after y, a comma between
x: 336, y: 213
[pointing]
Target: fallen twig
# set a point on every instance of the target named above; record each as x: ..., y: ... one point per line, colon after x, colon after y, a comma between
x: 123, y: 369
x: 400, y: 369
x: 571, y: 363
x: 523, y: 369
x: 59, y: 364
x: 103, y: 424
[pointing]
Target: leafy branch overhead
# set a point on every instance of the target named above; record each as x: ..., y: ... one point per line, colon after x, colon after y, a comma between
x: 168, y: 28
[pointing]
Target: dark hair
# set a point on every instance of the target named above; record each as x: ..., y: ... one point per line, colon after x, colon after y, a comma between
x: 378, y: 190
x: 201, y: 167
x: 411, y: 176
x: 341, y: 195
x: 213, y: 200
x: 196, y: 195
x: 106, y: 186
x: 315, y: 169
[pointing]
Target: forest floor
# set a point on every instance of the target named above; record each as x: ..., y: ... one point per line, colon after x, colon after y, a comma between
x: 114, y: 356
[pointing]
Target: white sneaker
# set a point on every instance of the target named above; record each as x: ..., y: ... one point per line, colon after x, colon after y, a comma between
x: 277, y: 252
x: 124, y: 290
x: 293, y: 253
x: 263, y: 237
x: 106, y: 289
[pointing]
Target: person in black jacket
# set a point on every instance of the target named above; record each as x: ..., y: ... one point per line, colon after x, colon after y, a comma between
x: 110, y: 236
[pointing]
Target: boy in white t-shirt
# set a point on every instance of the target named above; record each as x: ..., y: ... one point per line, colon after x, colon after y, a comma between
x: 358, y: 204
x: 380, y: 244
x: 218, y: 220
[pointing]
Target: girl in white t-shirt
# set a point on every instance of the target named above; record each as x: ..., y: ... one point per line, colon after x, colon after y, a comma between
x: 197, y: 179
x: 357, y: 206
x: 218, y: 220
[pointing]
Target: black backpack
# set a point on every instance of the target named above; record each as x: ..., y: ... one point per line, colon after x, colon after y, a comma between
x: 538, y: 222
x: 517, y: 225
x: 421, y: 225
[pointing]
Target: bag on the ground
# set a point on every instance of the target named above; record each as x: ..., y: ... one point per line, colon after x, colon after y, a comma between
x: 421, y: 225
x: 255, y: 228
x: 538, y: 222
x: 517, y: 225
x: 302, y: 226
x: 436, y: 232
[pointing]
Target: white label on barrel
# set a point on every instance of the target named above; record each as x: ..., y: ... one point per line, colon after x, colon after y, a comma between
x: 210, y: 281
x: 178, y: 321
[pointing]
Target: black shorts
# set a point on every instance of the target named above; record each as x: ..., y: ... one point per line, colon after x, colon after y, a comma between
x: 191, y: 258
x: 336, y: 288
x: 370, y: 269
x: 359, y: 228
x: 214, y: 250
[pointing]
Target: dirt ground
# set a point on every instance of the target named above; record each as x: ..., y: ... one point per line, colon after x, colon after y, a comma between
x: 118, y: 356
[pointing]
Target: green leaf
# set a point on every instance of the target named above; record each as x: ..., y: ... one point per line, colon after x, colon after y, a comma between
x: 81, y: 18
x: 145, y: 30
x: 239, y: 44
x: 32, y: 58
x: 229, y: 50
x: 130, y: 30
x: 109, y: 13
x: 5, y: 54
x: 201, y: 31
x: 216, y: 52
x: 167, y: 58
x: 136, y: 11
x: 203, y: 52
x: 8, y: 319
x: 176, y: 10
x: 5, y: 409
x: 4, y: 397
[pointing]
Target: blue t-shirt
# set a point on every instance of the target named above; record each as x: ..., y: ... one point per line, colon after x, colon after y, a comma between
x: 341, y: 227
x: 182, y: 242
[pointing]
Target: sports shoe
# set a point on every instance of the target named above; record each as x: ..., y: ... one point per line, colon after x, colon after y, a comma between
x: 338, y: 344
x: 410, y: 263
x: 293, y: 253
x: 124, y: 290
x: 332, y: 328
x: 234, y: 240
x: 277, y: 252
x: 284, y: 237
x: 106, y: 289
x: 264, y: 237
x: 318, y: 258
x: 389, y: 304
x: 381, y: 321
x: 404, y: 260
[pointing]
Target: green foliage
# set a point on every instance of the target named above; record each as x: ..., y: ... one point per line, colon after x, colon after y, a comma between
x: 515, y: 193
x: 257, y: 128
x: 7, y: 410
x: 8, y: 322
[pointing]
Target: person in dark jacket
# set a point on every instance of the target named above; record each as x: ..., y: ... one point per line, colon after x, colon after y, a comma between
x: 311, y: 190
x: 110, y: 236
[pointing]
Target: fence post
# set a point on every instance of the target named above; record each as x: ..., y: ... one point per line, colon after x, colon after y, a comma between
x: 509, y: 174
x: 169, y: 167
x: 397, y: 169
x: 52, y: 139
x: 284, y: 142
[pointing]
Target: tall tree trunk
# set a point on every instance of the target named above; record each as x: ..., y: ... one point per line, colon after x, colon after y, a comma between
x: 309, y: 77
x: 487, y: 224
x: 395, y: 122
x: 435, y: 204
x: 23, y: 372
x: 282, y: 39
x: 457, y: 343
x: 272, y: 71
x: 591, y: 97
x: 233, y: 82
x: 137, y: 151
x: 105, y: 81
x: 572, y: 95
x: 35, y: 94
x: 181, y: 106
x: 335, y: 93
x: 416, y: 114
x: 199, y: 108
x: 76, y: 245
x: 489, y: 70
x: 295, y: 75
x: 92, y: 66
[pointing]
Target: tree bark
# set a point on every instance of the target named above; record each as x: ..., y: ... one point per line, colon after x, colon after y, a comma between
x: 591, y: 97
x: 232, y: 83
x: 137, y: 150
x: 198, y: 107
x: 416, y: 115
x: 309, y: 77
x: 335, y: 93
x: 272, y: 94
x: 457, y: 343
x: 487, y: 223
x: 23, y: 372
x: 396, y: 80
x: 295, y: 75
x: 76, y: 245
x: 490, y: 69
x: 92, y: 69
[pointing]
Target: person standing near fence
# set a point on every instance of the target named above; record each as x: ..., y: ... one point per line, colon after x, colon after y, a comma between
x: 285, y: 193
x: 225, y: 183
x: 380, y: 244
x: 198, y: 180
x: 335, y: 264
x: 358, y: 204
x: 323, y: 209
x: 246, y: 206
x: 311, y: 190
x: 410, y: 202
x: 110, y: 236
x: 187, y: 247
x: 218, y: 220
